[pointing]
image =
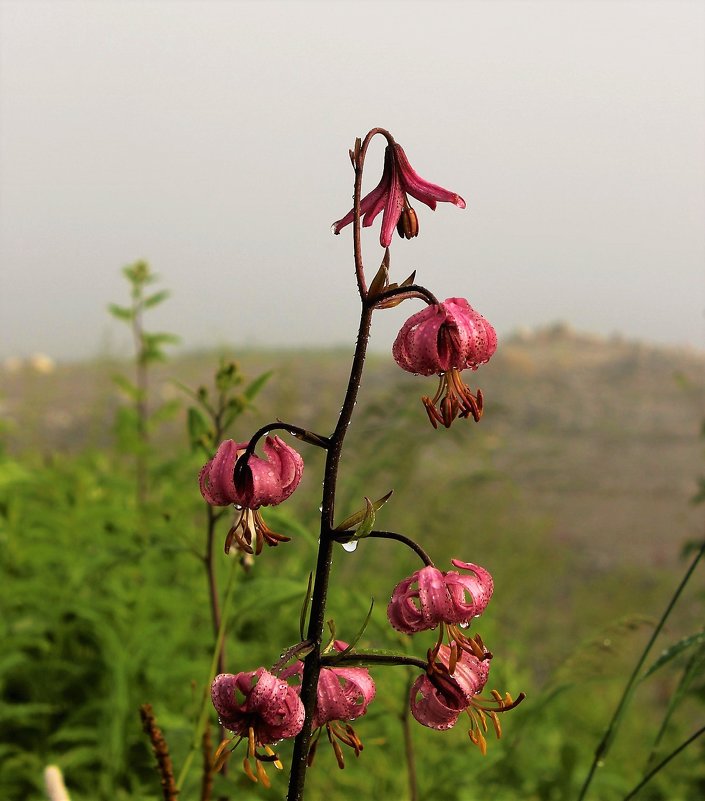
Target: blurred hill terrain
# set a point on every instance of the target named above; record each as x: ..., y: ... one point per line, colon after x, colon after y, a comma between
x: 600, y: 437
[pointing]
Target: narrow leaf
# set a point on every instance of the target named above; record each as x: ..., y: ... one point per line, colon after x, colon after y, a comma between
x: 254, y: 388
x: 358, y: 517
x: 156, y: 299
x: 673, y: 651
x: 305, y: 605
x: 360, y: 632
x: 121, y: 312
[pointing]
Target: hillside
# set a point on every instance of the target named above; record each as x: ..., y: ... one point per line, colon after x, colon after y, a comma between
x: 599, y: 437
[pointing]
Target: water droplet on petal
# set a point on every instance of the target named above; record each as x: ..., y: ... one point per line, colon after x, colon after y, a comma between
x: 238, y: 507
x: 464, y: 624
x: 350, y: 547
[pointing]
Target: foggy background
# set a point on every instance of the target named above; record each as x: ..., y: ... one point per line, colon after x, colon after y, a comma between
x: 211, y: 139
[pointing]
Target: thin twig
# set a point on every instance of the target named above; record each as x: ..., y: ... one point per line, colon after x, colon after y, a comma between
x: 408, y: 742
x: 650, y: 775
x: 161, y: 752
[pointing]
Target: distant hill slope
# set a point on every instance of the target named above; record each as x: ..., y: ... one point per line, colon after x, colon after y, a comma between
x: 601, y: 436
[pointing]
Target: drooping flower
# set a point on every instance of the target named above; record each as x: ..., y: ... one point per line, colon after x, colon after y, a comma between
x: 343, y: 694
x: 451, y: 686
x: 265, y: 482
x: 445, y: 338
x: 260, y: 707
x: 430, y: 597
x: 399, y: 179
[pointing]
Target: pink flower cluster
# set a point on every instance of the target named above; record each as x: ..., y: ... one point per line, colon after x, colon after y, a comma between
x: 265, y: 709
x: 456, y: 673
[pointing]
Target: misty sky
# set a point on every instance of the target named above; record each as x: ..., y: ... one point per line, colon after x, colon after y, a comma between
x: 211, y: 139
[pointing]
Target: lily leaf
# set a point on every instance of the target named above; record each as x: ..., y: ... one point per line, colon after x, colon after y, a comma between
x: 305, y: 605
x: 358, y: 517
x: 361, y: 631
x: 381, y: 280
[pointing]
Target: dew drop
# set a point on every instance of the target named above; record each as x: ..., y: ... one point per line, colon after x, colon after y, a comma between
x: 464, y: 624
x: 350, y: 547
x: 238, y: 507
x: 320, y: 508
x: 600, y: 763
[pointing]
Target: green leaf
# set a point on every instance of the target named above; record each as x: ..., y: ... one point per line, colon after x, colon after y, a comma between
x: 156, y: 298
x: 154, y: 340
x: 305, y: 605
x: 358, y: 517
x: 254, y: 388
x: 121, y: 312
x: 360, y: 632
x: 674, y: 650
x: 199, y: 428
x: 131, y: 390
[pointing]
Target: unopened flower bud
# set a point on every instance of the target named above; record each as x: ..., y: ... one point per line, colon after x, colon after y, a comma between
x: 408, y: 225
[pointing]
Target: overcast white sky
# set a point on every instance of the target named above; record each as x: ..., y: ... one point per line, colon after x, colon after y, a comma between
x: 211, y: 138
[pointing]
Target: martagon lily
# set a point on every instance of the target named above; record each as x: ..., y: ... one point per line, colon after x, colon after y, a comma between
x: 399, y: 179
x: 343, y: 695
x: 443, y: 339
x: 263, y: 709
x: 266, y: 482
x: 452, y: 686
x: 430, y: 598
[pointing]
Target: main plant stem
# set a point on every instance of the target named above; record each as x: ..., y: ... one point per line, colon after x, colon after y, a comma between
x: 312, y: 663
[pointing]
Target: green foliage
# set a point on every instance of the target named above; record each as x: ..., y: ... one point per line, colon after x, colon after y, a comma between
x: 105, y: 608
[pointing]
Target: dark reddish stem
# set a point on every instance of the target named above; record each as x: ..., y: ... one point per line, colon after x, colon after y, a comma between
x: 392, y: 535
x: 405, y: 293
x: 334, y: 448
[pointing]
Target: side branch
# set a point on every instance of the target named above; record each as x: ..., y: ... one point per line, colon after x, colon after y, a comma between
x: 405, y: 293
x: 296, y: 431
x: 392, y: 535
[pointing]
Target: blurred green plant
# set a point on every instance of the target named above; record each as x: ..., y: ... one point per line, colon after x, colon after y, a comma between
x: 135, y: 422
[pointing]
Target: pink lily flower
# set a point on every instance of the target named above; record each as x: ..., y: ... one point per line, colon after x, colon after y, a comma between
x: 446, y: 338
x: 267, y: 482
x: 260, y: 707
x: 399, y: 179
x: 452, y: 686
x: 437, y: 699
x: 430, y: 597
x: 343, y: 694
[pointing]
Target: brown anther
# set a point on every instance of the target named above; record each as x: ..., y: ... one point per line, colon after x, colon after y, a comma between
x: 262, y: 775
x: 337, y: 750
x: 448, y: 412
x: 433, y: 415
x: 275, y: 761
x: 248, y: 770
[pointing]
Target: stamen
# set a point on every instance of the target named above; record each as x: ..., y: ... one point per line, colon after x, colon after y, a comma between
x: 251, y: 742
x: 276, y: 761
x: 262, y: 774
x: 497, y: 725
x: 338, y: 754
x: 453, y: 661
x: 248, y: 770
